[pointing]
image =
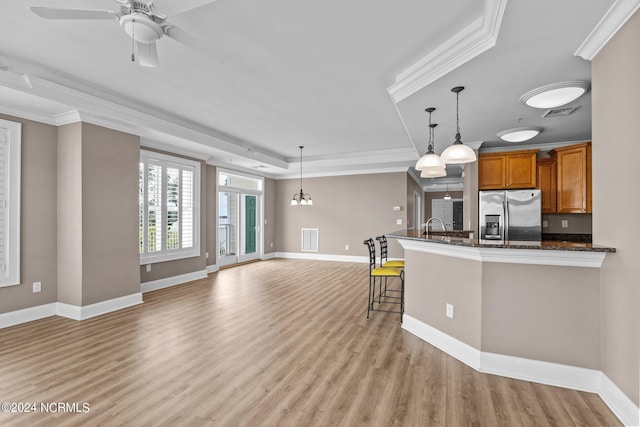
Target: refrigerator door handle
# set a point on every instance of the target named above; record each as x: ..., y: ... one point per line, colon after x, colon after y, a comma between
x: 506, y: 219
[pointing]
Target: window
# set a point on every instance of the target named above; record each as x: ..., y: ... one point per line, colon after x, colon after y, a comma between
x: 169, y: 207
x: 10, y: 147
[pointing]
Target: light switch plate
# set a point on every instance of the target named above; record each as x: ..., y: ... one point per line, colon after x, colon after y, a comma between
x: 565, y: 223
x: 399, y: 221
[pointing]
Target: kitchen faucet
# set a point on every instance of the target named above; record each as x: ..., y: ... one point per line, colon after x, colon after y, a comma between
x: 426, y: 226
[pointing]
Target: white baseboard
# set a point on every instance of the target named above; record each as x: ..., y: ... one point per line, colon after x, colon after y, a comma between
x: 270, y: 255
x: 619, y: 403
x: 463, y: 352
x: 68, y: 310
x: 322, y: 257
x: 212, y: 268
x: 172, y: 281
x: 555, y: 374
x: 27, y: 315
x: 92, y: 310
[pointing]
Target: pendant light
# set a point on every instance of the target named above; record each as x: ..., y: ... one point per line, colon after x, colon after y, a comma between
x: 430, y: 161
x: 447, y: 196
x: 302, y: 198
x: 458, y: 152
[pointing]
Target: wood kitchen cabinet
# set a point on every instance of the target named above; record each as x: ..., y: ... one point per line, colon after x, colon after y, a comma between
x: 509, y: 170
x: 547, y: 184
x: 573, y: 175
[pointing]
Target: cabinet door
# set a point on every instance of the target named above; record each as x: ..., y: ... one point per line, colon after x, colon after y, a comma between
x: 572, y: 180
x: 547, y: 184
x: 491, y: 172
x: 521, y: 170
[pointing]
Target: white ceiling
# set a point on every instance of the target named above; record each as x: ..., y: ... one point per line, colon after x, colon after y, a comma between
x: 343, y: 78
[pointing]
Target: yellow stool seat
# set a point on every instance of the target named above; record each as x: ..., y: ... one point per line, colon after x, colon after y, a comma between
x: 386, y: 272
x: 397, y: 263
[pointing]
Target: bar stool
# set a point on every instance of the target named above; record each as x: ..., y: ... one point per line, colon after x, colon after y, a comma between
x: 399, y: 263
x: 385, y: 300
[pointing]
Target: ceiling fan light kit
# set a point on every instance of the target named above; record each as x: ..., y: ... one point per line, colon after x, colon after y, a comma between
x: 555, y: 94
x: 141, y: 27
x: 143, y: 23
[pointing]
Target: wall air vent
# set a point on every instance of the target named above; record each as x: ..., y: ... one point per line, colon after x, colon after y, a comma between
x: 555, y: 112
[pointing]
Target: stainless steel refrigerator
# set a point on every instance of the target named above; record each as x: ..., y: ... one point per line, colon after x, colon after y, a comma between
x: 510, y: 215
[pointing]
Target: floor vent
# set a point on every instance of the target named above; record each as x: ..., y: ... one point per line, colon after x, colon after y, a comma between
x: 310, y: 239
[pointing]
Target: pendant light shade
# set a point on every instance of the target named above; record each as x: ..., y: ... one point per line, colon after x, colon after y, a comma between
x: 430, y: 160
x: 433, y: 173
x: 447, y: 196
x: 302, y: 198
x: 458, y: 152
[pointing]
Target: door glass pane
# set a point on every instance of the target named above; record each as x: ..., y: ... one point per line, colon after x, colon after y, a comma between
x: 228, y: 223
x: 250, y: 235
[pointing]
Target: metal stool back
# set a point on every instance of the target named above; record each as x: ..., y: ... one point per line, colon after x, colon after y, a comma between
x: 386, y: 297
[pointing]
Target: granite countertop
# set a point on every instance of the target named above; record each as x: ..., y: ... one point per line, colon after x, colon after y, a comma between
x: 412, y: 234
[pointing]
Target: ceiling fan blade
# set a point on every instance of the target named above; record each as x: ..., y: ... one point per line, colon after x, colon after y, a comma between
x: 198, y: 44
x: 174, y: 7
x: 147, y: 54
x: 54, y: 13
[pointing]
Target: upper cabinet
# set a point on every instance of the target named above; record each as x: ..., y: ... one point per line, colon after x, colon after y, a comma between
x: 547, y: 184
x: 509, y: 170
x: 573, y: 174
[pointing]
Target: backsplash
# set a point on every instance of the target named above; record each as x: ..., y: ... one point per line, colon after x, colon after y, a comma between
x: 576, y: 223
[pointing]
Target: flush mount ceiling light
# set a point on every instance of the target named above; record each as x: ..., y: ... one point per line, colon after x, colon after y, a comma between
x: 302, y: 198
x: 458, y: 152
x: 556, y: 94
x: 430, y: 161
x: 519, y: 134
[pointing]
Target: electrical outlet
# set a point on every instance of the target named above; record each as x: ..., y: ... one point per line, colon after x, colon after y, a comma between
x: 271, y: 244
x: 206, y: 254
x: 37, y: 287
x: 346, y: 247
x: 399, y: 221
x: 545, y: 223
x: 565, y: 223
x: 450, y: 311
x: 148, y: 268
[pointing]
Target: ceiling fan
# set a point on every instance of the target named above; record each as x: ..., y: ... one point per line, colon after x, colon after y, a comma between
x: 144, y: 24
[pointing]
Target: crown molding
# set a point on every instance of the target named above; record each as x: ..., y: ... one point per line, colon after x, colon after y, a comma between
x: 26, y: 114
x: 541, y: 147
x: 617, y: 15
x: 476, y: 38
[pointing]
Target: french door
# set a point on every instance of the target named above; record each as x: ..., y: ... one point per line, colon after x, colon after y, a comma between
x: 239, y: 233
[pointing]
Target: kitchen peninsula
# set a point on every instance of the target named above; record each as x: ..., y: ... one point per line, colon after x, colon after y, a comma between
x: 528, y: 310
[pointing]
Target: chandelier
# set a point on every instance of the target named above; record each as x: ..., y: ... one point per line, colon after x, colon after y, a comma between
x: 302, y: 198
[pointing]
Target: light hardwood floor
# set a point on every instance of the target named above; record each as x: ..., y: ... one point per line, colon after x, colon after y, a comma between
x: 274, y: 343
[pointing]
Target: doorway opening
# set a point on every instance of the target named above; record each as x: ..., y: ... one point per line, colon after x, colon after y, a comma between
x: 239, y: 217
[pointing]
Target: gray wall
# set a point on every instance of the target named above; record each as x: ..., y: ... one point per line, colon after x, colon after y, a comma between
x: 346, y: 210
x: 616, y: 200
x: 546, y: 313
x: 270, y: 208
x: 110, y: 256
x: 209, y: 221
x: 38, y: 219
x: 70, y: 214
